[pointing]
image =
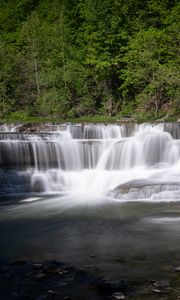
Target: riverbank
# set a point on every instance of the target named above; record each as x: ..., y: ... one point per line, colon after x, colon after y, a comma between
x: 19, y: 117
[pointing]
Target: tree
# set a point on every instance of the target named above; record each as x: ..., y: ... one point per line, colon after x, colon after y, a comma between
x: 151, y: 72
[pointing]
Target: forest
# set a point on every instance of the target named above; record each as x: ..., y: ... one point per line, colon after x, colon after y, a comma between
x: 74, y: 58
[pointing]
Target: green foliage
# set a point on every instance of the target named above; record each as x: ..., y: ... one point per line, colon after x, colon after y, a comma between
x: 151, y: 74
x: 69, y: 59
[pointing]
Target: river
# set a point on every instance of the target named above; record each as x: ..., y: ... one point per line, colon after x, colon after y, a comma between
x: 106, y: 197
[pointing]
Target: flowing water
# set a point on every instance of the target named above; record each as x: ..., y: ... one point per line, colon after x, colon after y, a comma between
x: 112, y: 191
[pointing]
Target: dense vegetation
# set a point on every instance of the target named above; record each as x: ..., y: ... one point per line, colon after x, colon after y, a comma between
x: 70, y: 58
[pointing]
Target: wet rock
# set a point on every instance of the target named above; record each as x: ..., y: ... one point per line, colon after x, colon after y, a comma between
x: 39, y: 276
x: 41, y: 297
x: 54, y: 270
x: 69, y: 278
x: 4, y: 269
x: 177, y: 269
x: 157, y: 291
x: 51, y: 292
x: 18, y: 263
x: 145, y: 291
x: 9, y: 274
x: 161, y: 284
x: 85, y: 267
x: 19, y: 296
x: 51, y: 280
x: 118, y: 296
x: 25, y: 128
x: 61, y: 273
x: 37, y: 266
x: 110, y: 286
x: 15, y: 295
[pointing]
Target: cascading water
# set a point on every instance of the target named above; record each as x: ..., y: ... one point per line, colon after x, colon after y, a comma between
x: 124, y: 162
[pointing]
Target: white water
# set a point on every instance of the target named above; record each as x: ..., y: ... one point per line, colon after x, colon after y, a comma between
x: 86, y: 163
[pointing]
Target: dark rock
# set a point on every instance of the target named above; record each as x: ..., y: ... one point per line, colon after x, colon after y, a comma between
x: 20, y: 296
x: 51, y: 292
x: 161, y: 284
x: 8, y: 275
x: 69, y: 278
x: 177, y: 269
x: 54, y: 271
x: 41, y: 297
x: 110, y: 286
x: 81, y: 271
x: 39, y: 275
x: 55, y: 268
x: 85, y: 267
x: 53, y: 280
x: 4, y: 269
x: 18, y: 263
x: 37, y: 267
x: 118, y: 296
x: 15, y: 295
x: 58, y: 263
x: 61, y: 273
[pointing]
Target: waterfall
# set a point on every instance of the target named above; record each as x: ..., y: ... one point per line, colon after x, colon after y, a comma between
x: 126, y: 162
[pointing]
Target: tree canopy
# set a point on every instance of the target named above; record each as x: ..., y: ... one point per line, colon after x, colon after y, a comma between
x: 70, y: 58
